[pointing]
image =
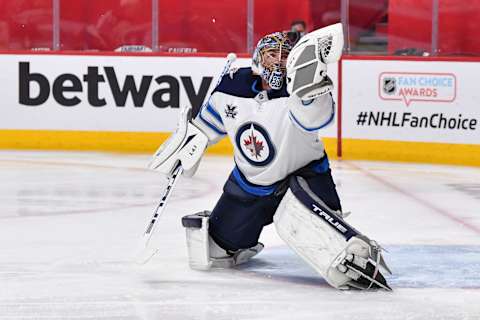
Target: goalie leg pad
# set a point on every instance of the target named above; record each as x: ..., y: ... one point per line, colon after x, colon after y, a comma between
x: 204, y: 253
x: 338, y: 252
x: 319, y: 179
x: 196, y: 226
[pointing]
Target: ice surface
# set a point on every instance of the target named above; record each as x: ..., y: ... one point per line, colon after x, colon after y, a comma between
x: 70, y: 222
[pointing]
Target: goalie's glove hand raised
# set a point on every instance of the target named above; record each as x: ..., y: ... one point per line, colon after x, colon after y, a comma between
x: 307, y: 62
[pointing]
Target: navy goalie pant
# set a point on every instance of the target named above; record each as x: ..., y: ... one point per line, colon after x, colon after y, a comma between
x: 239, y: 215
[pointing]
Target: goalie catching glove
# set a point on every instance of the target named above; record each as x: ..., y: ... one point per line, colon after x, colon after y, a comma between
x: 184, y: 147
x: 307, y: 62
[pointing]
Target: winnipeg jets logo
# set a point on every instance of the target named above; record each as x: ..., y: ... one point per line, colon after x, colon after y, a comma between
x: 254, y: 144
x: 231, y: 111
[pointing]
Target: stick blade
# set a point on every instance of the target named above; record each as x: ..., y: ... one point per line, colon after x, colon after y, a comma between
x: 144, y: 251
x: 145, y: 255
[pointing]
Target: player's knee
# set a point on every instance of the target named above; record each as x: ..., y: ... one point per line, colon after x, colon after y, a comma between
x: 323, y: 186
x: 234, y: 229
x: 239, y: 217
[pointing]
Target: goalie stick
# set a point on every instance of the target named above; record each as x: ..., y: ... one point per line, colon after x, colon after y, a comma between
x: 145, y: 251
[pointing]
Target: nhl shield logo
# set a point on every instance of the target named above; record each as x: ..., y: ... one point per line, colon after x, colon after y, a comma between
x: 389, y: 86
x: 254, y: 144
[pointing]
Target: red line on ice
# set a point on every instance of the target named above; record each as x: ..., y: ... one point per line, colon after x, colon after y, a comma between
x: 421, y: 201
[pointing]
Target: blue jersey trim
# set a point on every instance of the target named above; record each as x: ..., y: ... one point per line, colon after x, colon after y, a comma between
x: 322, y: 165
x: 292, y: 117
x: 307, y: 103
x: 254, y: 84
x: 214, y: 113
x: 211, y: 126
x: 251, y: 188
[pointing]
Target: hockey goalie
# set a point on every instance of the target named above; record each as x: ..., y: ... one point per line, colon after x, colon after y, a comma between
x: 272, y: 113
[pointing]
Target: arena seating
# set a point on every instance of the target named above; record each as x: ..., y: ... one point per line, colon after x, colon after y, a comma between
x: 221, y: 26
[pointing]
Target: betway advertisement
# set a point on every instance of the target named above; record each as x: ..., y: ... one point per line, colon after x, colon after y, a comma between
x: 106, y: 93
x: 424, y: 101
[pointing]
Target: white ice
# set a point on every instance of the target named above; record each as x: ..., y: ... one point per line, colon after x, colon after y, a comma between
x: 70, y: 222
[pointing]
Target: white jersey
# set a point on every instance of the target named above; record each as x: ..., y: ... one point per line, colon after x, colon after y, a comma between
x: 273, y: 134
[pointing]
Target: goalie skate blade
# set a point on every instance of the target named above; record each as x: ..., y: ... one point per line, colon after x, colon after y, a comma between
x: 383, y: 264
x: 379, y: 280
x: 378, y: 257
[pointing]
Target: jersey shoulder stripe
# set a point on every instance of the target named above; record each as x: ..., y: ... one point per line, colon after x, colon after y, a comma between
x: 208, y: 116
x: 214, y: 113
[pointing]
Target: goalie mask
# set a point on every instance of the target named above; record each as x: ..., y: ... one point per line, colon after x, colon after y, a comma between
x: 270, y: 58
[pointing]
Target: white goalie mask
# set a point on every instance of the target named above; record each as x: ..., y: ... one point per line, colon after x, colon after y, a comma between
x: 308, y: 60
x: 270, y: 58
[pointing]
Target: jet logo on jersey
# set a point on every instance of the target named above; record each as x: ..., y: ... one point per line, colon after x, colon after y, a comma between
x: 255, y: 147
x: 231, y: 111
x: 254, y: 144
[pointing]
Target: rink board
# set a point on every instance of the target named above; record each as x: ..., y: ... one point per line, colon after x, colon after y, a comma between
x: 130, y: 142
x: 407, y: 151
x: 71, y: 101
x: 410, y: 109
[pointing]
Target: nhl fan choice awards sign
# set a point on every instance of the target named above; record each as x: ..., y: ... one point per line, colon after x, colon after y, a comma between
x: 420, y: 101
x: 416, y: 86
